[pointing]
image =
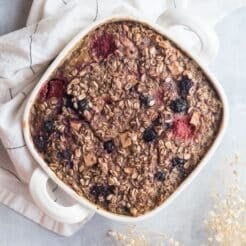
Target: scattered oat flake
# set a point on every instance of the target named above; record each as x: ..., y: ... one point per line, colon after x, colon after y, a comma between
x: 133, y: 237
x: 226, y: 222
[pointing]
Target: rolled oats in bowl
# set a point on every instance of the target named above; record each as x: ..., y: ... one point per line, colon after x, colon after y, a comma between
x: 125, y: 118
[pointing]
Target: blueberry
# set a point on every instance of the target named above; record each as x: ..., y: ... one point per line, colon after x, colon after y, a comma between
x: 107, y: 190
x: 176, y: 161
x: 69, y: 164
x: 184, y: 86
x: 101, y: 190
x: 68, y: 102
x: 159, y: 176
x: 65, y: 157
x: 149, y: 134
x: 95, y: 190
x: 109, y: 146
x: 179, y: 105
x: 66, y: 154
x: 41, y: 143
x: 183, y: 172
x: 48, y: 126
x: 133, y: 89
x: 126, y: 209
x: 83, y: 105
x: 145, y: 100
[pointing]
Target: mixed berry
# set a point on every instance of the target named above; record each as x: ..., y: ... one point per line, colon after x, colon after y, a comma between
x: 159, y: 176
x: 83, y: 105
x: 103, y: 45
x: 149, y: 134
x: 176, y: 161
x: 184, y: 85
x: 101, y: 190
x: 125, y: 118
x: 109, y: 146
x: 179, y: 105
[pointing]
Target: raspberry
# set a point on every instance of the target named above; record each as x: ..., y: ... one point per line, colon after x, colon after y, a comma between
x: 55, y: 88
x: 43, y: 93
x: 182, y: 128
x: 104, y: 45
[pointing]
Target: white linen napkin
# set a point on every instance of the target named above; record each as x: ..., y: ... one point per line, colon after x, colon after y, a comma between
x: 26, y: 53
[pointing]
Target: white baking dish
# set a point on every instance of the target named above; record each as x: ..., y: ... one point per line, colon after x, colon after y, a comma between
x: 83, y: 207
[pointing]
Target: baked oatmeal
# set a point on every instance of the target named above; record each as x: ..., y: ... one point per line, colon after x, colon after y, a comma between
x: 125, y: 118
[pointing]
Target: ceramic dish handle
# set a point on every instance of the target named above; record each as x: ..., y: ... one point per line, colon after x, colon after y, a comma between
x: 207, y: 36
x: 38, y: 189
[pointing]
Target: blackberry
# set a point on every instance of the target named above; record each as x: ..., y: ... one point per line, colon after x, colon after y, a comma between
x: 149, y: 134
x: 184, y: 86
x: 109, y: 146
x: 179, y: 105
x: 159, y: 176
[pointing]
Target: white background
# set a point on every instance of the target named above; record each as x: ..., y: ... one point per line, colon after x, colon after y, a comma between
x: 184, y: 218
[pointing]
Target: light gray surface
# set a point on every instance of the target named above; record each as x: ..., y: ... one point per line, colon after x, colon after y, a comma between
x: 184, y: 218
x: 13, y: 14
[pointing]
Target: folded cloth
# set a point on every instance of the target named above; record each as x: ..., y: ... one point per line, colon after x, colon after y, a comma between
x: 24, y: 56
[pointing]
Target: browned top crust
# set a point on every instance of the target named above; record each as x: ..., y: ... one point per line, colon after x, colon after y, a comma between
x: 125, y: 118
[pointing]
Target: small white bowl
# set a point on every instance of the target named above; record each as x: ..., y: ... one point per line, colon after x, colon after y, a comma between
x: 83, y: 207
